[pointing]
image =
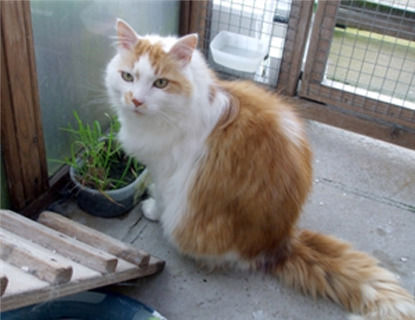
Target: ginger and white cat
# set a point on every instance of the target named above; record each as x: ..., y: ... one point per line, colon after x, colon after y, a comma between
x: 232, y: 170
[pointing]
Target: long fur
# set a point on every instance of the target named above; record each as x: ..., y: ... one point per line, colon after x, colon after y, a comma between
x: 232, y: 170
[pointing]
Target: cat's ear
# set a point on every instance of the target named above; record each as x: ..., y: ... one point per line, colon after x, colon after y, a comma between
x: 183, y: 48
x: 127, y: 38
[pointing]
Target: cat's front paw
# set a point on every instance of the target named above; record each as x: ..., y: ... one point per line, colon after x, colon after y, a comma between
x: 150, y: 211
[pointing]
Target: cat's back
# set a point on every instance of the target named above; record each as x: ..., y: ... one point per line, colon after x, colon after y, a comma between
x: 262, y: 112
x: 255, y: 177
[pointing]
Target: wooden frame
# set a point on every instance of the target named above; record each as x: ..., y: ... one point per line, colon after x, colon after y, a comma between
x: 396, y: 121
x: 295, y: 42
x: 21, y: 128
x: 191, y: 21
x: 56, y: 256
x: 395, y: 23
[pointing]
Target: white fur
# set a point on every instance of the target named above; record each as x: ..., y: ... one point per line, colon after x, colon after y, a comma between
x: 385, y: 300
x: 150, y: 210
x: 292, y: 128
x: 169, y: 134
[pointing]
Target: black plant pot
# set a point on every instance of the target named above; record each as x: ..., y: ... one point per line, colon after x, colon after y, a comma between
x: 111, y: 203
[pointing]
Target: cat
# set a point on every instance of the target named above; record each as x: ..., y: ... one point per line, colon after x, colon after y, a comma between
x: 232, y: 169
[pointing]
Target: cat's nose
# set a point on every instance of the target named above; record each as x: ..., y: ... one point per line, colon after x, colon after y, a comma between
x: 136, y: 102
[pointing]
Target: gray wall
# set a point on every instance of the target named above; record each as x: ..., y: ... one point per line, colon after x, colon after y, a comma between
x: 73, y: 43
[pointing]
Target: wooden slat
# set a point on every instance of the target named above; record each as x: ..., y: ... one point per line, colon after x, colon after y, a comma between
x: 33, y: 258
x: 381, y: 22
x: 20, y: 281
x: 184, y: 17
x: 56, y: 241
x: 21, y: 133
x: 25, y: 289
x: 3, y: 282
x: 9, y: 146
x: 94, y: 238
x: 58, y: 182
x: 40, y: 292
x: 323, y: 29
x: 349, y: 120
x: 296, y: 39
x: 359, y: 104
x: 194, y: 17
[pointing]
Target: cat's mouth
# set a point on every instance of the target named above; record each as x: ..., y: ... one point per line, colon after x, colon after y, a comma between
x: 138, y: 111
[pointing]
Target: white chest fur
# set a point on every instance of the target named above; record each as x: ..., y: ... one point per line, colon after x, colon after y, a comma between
x: 171, y: 155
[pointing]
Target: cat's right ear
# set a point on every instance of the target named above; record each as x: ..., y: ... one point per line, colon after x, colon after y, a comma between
x: 127, y: 38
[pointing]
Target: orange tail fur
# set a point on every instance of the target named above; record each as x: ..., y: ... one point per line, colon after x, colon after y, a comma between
x: 322, y: 265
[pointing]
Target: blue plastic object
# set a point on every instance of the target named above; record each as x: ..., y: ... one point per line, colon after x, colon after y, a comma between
x: 88, y: 305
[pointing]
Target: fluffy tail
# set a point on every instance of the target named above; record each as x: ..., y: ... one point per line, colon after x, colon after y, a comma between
x: 324, y: 266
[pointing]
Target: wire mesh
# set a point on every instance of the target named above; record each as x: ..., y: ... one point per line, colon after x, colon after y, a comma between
x: 264, y: 20
x: 372, y: 53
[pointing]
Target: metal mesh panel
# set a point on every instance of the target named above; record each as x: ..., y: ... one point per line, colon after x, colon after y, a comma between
x: 265, y: 21
x: 372, y: 53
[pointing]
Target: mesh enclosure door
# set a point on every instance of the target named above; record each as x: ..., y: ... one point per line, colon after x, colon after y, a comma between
x: 361, y: 60
x: 240, y: 38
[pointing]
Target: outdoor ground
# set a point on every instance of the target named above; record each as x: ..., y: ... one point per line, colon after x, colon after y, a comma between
x: 364, y: 193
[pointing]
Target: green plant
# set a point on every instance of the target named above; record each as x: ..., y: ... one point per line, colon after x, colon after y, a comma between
x: 101, y: 164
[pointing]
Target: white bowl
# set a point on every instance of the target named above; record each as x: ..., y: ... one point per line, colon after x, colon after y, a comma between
x: 237, y: 51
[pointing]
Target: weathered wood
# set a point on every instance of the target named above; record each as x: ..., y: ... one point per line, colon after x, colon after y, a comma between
x: 350, y: 120
x: 10, y: 148
x: 33, y: 258
x: 292, y: 59
x: 194, y: 18
x: 3, y: 282
x: 21, y: 129
x: 94, y: 238
x: 58, y: 242
x: 58, y: 182
x: 184, y: 17
x: 322, y: 32
x: 380, y: 22
x: 25, y: 288
x: 19, y: 281
x: 37, y: 291
x: 360, y: 104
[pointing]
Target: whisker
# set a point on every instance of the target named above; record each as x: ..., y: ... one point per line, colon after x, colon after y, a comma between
x: 165, y: 119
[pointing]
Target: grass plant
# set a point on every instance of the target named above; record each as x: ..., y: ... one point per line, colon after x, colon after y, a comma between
x: 101, y: 164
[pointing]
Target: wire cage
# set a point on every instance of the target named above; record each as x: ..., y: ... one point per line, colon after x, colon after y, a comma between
x: 362, y: 59
x: 373, y: 49
x: 355, y: 56
x: 261, y: 23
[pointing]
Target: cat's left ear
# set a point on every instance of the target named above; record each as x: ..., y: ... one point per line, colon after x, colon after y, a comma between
x: 183, y: 48
x: 127, y: 38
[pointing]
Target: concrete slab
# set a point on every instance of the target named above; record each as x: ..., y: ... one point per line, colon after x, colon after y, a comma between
x: 364, y: 193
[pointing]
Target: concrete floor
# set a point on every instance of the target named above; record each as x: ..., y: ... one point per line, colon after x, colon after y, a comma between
x: 364, y: 193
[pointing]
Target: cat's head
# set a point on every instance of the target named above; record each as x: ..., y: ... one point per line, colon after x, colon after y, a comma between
x: 150, y: 75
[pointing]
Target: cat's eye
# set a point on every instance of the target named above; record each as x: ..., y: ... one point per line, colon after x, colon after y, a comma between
x: 161, y: 83
x: 127, y: 76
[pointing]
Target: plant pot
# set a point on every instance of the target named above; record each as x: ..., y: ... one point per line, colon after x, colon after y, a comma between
x: 112, y: 203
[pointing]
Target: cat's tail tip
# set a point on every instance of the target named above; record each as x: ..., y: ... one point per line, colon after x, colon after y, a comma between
x: 402, y: 309
x: 322, y: 265
x: 383, y: 298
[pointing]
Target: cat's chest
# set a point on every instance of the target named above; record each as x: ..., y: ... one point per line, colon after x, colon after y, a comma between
x: 173, y: 176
